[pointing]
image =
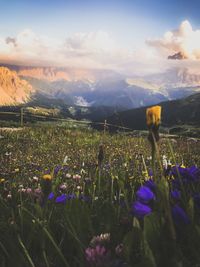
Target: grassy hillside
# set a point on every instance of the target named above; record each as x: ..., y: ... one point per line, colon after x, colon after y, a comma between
x: 177, y: 112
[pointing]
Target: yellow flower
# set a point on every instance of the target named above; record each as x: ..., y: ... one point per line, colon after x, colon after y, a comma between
x: 47, y: 177
x: 2, y: 180
x: 145, y: 174
x: 17, y: 170
x: 153, y: 115
x: 182, y: 166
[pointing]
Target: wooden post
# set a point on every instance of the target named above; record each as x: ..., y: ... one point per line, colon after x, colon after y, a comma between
x: 104, y: 127
x: 22, y: 118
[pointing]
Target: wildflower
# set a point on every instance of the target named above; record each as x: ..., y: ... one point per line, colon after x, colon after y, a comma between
x: 85, y: 198
x: 2, y: 180
x: 76, y: 177
x: 57, y: 169
x: 68, y: 176
x: 47, y: 171
x: 100, y: 239
x: 150, y: 184
x: 165, y: 162
x: 96, y: 256
x: 51, y: 196
x: 179, y: 215
x: 188, y: 175
x: 9, y: 196
x: 35, y: 179
x: 153, y: 116
x: 145, y: 174
x: 47, y: 177
x: 38, y: 191
x: 144, y: 194
x: 63, y: 186
x: 140, y: 210
x: 65, y: 160
x: 28, y: 191
x: 17, y: 170
x: 61, y: 199
x: 119, y: 249
x: 70, y: 196
x: 176, y: 194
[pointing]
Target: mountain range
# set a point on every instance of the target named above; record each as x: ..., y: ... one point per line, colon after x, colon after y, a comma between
x: 97, y: 95
x: 93, y: 88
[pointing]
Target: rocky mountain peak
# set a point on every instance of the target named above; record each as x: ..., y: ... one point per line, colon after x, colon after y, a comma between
x: 13, y: 90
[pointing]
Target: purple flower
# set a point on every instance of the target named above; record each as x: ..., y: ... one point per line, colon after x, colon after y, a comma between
x: 47, y: 171
x: 150, y: 184
x: 140, y: 210
x: 150, y: 173
x: 191, y: 174
x: 179, y: 216
x: 61, y: 199
x: 51, y: 196
x: 70, y: 196
x: 57, y: 169
x: 85, y: 198
x: 176, y: 194
x: 144, y: 194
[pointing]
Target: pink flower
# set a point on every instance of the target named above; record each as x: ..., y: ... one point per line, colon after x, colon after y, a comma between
x: 28, y: 191
x: 97, y: 256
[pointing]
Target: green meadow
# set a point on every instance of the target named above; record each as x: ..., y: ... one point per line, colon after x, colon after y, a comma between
x: 77, y: 197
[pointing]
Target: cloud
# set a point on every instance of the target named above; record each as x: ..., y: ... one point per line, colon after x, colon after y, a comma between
x: 27, y: 48
x: 80, y: 50
x: 184, y: 40
x: 90, y: 50
x: 99, y: 50
x: 11, y: 40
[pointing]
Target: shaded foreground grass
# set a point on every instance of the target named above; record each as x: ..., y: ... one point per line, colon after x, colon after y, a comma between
x: 52, y: 222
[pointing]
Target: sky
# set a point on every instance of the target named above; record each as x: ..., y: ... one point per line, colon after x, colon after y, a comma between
x: 126, y: 35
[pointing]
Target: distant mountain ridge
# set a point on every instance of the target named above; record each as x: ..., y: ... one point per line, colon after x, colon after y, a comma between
x: 96, y: 88
x: 176, y: 112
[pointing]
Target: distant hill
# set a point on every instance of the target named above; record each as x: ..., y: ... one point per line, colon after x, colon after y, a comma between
x: 176, y: 112
x: 42, y: 108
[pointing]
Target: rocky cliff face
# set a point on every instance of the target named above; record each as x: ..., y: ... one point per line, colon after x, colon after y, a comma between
x: 53, y: 74
x: 13, y: 90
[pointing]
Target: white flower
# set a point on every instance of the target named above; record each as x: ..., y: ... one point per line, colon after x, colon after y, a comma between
x: 65, y: 160
x: 35, y: 179
x: 9, y: 196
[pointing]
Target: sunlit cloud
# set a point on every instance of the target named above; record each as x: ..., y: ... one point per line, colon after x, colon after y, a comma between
x: 93, y: 49
x: 100, y: 50
x: 184, y: 40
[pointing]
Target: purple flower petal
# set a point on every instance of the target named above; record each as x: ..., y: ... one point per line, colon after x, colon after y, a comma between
x: 61, y: 199
x: 176, y: 194
x: 51, y: 196
x: 179, y: 215
x: 140, y: 210
x: 144, y: 194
